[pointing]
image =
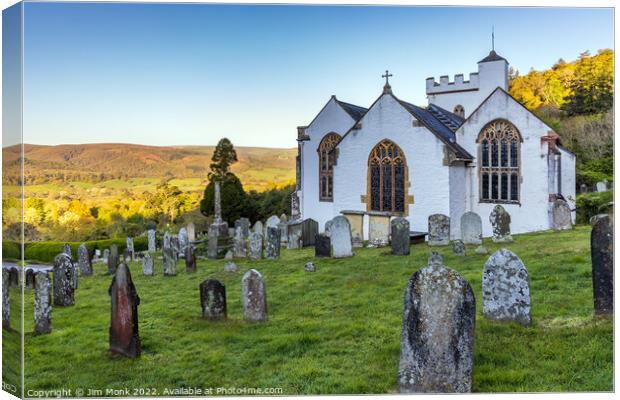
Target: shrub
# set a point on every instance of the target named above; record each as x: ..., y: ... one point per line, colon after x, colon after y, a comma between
x: 590, y: 204
x: 11, y: 250
x: 46, y: 251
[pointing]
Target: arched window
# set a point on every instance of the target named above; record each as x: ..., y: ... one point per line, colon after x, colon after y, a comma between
x: 387, y: 175
x: 326, y: 166
x: 499, y: 162
x: 459, y: 110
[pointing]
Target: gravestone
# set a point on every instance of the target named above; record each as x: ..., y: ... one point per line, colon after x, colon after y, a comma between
x: 295, y: 233
x: 244, y: 224
x: 254, y: 296
x: 231, y: 232
x: 437, y: 341
x: 190, y: 259
x: 500, y: 221
x: 42, y: 303
x: 283, y: 227
x: 400, y: 236
x: 191, y: 231
x: 309, y: 267
x: 340, y: 237
x: 239, y: 243
x: 601, y: 186
x: 6, y: 302
x: 283, y: 218
x: 256, y: 246
x: 213, y: 299
x: 481, y: 250
x: 113, y: 259
x: 322, y: 245
x: 30, y: 278
x: 230, y: 267
x: 13, y: 277
x: 124, y: 335
x: 438, y: 230
x: 602, y: 252
x: 594, y: 219
x: 356, y: 222
x: 183, y: 239
x: 75, y: 277
x: 309, y: 229
x: 272, y: 222
x: 471, y: 228
x: 170, y: 261
x: 583, y: 188
x: 147, y: 265
x: 151, y: 240
x: 84, y: 260
x: 328, y: 228
x: 272, y: 246
x: 106, y: 255
x: 258, y: 227
x: 126, y: 255
x: 64, y: 286
x: 506, y: 289
x: 458, y: 247
x: 176, y: 246
x: 129, y: 248
x: 561, y: 215
x: 378, y: 228
x: 229, y: 255
x: 67, y: 250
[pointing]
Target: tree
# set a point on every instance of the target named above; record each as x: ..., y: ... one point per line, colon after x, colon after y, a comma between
x: 232, y: 195
x: 223, y: 157
x: 592, y: 89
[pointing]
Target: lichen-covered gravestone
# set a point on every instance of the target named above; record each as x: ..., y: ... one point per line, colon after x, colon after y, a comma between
x: 239, y: 243
x: 471, y: 228
x: 151, y: 240
x: 213, y: 299
x: 458, y: 247
x: 124, y: 335
x: 258, y: 227
x: 322, y: 245
x: 254, y: 296
x: 190, y: 259
x: 170, y: 261
x: 113, y: 259
x: 561, y: 215
x: 340, y: 237
x: 437, y: 341
x: 147, y: 265
x: 244, y: 224
x: 438, y: 230
x: 272, y: 246
x: 256, y: 246
x: 6, y: 302
x: 400, y: 236
x: 506, y: 289
x: 500, y: 221
x: 84, y: 260
x: 63, y: 280
x: 42, y: 303
x: 67, y: 250
x: 272, y: 222
x: 602, y: 252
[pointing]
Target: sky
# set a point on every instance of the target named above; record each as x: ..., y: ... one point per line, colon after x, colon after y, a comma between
x: 189, y: 74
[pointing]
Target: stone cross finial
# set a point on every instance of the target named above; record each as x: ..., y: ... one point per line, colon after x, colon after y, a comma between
x: 218, y: 203
x: 387, y: 88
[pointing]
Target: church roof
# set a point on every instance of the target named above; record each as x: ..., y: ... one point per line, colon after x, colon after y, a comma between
x: 356, y: 112
x: 449, y: 119
x: 493, y: 56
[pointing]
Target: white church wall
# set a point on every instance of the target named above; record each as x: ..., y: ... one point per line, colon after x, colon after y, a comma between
x: 531, y: 214
x: 428, y: 177
x: 331, y: 119
x: 458, y: 197
x: 568, y: 179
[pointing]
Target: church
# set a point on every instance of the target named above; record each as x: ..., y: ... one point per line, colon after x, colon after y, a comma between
x: 472, y: 147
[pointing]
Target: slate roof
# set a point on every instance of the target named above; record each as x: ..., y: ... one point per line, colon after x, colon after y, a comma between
x: 449, y: 119
x: 356, y: 112
x: 493, y: 56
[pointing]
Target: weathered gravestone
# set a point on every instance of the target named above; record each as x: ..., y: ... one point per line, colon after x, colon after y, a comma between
x: 6, y: 302
x: 471, y: 228
x: 106, y: 255
x: 272, y: 246
x: 84, y: 260
x: 561, y: 215
x: 64, y: 285
x: 230, y: 267
x: 283, y: 218
x: 229, y: 255
x: 244, y: 224
x: 437, y: 341
x: 218, y: 241
x: 147, y: 265
x: 254, y: 296
x: 309, y: 267
x: 258, y: 228
x: 191, y: 231
x: 67, y: 250
x: 113, y: 259
x: 438, y: 230
x: 322, y: 245
x: 400, y: 236
x: 75, y: 278
x: 183, y: 239
x: 601, y: 186
x: 378, y: 228
x: 42, y: 303
x: 294, y: 234
x: 190, y: 258
x: 309, y: 229
x: 213, y: 299
x: 583, y: 188
x: 356, y: 222
x: 481, y: 250
x: 13, y: 277
x: 129, y: 248
x: 124, y: 335
x: 170, y: 261
x: 340, y: 237
x: 151, y: 240
x: 176, y: 246
x: 506, y: 289
x: 30, y: 278
x: 602, y: 251
x: 283, y: 227
x: 458, y: 247
x: 256, y: 246
x: 500, y: 221
x: 239, y: 243
x: 272, y: 222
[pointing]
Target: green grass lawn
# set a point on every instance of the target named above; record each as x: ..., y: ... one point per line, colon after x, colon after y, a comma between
x: 335, y: 331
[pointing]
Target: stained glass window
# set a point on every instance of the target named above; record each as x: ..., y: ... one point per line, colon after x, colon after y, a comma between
x: 326, y: 166
x: 387, y: 177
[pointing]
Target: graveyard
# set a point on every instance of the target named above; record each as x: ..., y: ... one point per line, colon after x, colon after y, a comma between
x: 336, y: 330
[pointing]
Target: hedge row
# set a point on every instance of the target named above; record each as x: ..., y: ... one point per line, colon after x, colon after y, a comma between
x: 11, y: 250
x: 590, y: 204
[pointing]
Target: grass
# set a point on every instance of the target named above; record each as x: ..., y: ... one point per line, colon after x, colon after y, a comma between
x: 335, y: 331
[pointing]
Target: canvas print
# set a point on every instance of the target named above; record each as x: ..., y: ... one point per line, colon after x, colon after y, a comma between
x: 282, y: 200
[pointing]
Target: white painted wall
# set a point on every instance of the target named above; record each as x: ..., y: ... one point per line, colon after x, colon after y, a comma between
x: 568, y: 179
x: 458, y: 197
x: 429, y: 178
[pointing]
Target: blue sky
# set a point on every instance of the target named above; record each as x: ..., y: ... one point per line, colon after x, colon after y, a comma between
x: 180, y: 74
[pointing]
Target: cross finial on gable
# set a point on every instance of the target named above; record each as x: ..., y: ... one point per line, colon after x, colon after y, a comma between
x: 493, y: 37
x: 387, y: 88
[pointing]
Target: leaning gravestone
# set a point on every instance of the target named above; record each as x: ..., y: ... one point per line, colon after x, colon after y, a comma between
x: 239, y: 243
x: 437, y: 342
x: 322, y: 245
x: 500, y: 221
x: 561, y: 215
x: 42, y: 303
x: 438, y: 230
x: 340, y: 237
x: 256, y: 246
x: 124, y: 335
x: 84, y: 260
x: 151, y: 240
x: 400, y: 236
x: 113, y: 259
x: 254, y: 296
x: 458, y: 247
x: 471, y: 228
x: 64, y: 286
x: 147, y: 265
x: 213, y: 299
x: 272, y: 246
x: 602, y: 251
x: 6, y: 302
x: 190, y: 259
x: 170, y: 261
x: 505, y: 289
x: 67, y: 250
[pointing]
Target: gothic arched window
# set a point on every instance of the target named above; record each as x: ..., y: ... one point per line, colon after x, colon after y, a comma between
x: 326, y: 166
x: 387, y: 176
x: 499, y: 162
x: 459, y: 110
